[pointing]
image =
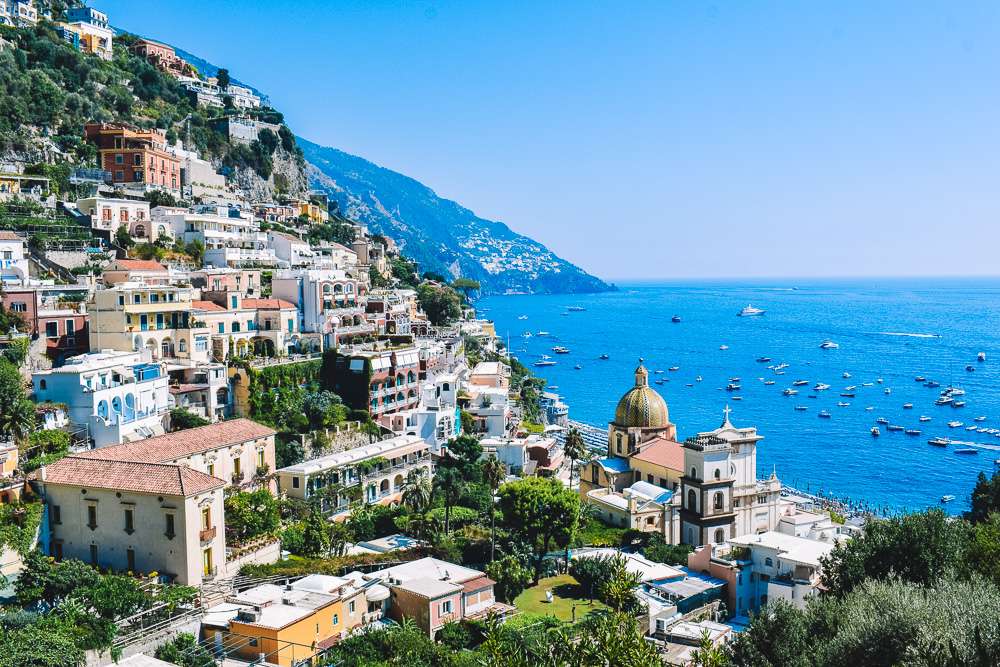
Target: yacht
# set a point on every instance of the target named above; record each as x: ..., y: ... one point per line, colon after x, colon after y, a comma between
x: 955, y: 424
x: 675, y: 318
x: 780, y: 366
x: 769, y: 382
x: 603, y: 356
x: 944, y: 400
x: 763, y: 360
x: 979, y: 419
x: 958, y: 404
x: 938, y: 442
x: 674, y: 368
x: 732, y: 387
x: 890, y: 427
x: 575, y: 309
x: 841, y: 404
x: 920, y: 378
x: 749, y: 311
x: 908, y: 406
x: 790, y: 392
x: 970, y: 428
x: 881, y: 420
x: 824, y: 414
x: 875, y: 430
x: 820, y: 386
x: 981, y: 430
x: 657, y: 372
x: 544, y: 362
x: 912, y: 431
x: 828, y: 345
x: 846, y: 375
x: 867, y: 384
x: 851, y: 388
x: 799, y: 383
x: 659, y: 382
x: 948, y: 498
x: 562, y: 350
x: 723, y: 347
x: 981, y: 356
x: 924, y: 419
x: 953, y: 392
x: 932, y: 384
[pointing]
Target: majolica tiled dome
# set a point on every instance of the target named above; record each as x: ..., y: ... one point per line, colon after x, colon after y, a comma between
x: 641, y: 406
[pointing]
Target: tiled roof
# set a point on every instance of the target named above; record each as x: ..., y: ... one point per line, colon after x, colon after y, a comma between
x: 9, y: 236
x: 289, y: 237
x: 173, y: 446
x: 205, y: 305
x: 168, y: 479
x: 140, y: 265
x: 185, y: 388
x: 662, y: 452
x: 477, y: 584
x: 267, y: 304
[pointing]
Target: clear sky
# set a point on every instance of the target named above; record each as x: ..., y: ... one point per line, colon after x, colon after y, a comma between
x: 651, y: 139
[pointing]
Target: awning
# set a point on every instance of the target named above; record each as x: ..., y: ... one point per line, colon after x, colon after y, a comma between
x: 554, y: 427
x: 376, y: 593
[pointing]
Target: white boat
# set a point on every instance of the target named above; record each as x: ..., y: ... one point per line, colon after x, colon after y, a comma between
x: 523, y: 317
x: 970, y: 428
x: 527, y: 334
x: 828, y: 345
x: 544, y: 362
x: 924, y: 419
x: 542, y: 333
x: 875, y: 430
x: 750, y: 311
x: 851, y: 388
x: 979, y: 419
x: 948, y: 498
x: 820, y: 386
x: 847, y: 375
x: 908, y: 406
x: 954, y: 424
x: 723, y: 347
x: 842, y: 404
x: 879, y: 380
x: 867, y: 384
x: 698, y: 378
x: 790, y: 392
x: 981, y: 356
x: 953, y: 392
x: 871, y: 408
x: 888, y: 391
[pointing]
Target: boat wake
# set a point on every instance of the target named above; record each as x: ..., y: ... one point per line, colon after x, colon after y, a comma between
x: 912, y: 335
x: 976, y: 444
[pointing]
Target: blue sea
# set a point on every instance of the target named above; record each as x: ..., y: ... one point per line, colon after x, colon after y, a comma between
x: 894, y: 329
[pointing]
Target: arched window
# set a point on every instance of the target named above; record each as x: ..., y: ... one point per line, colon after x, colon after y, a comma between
x: 694, y: 473
x: 446, y: 386
x: 718, y: 474
x: 692, y: 500
x: 720, y: 536
x: 137, y: 343
x: 42, y: 384
x: 140, y: 231
x: 116, y: 404
x: 690, y: 535
x: 102, y: 409
x: 167, y: 348
x: 338, y: 289
x: 763, y: 600
x: 768, y: 562
x: 719, y: 500
x: 182, y: 345
x: 326, y: 289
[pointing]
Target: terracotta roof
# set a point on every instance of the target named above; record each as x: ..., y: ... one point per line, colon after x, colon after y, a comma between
x: 9, y: 236
x: 291, y: 237
x: 477, y: 584
x: 173, y: 446
x: 662, y: 452
x: 168, y: 479
x: 205, y: 305
x: 266, y: 304
x: 140, y: 265
x: 185, y: 388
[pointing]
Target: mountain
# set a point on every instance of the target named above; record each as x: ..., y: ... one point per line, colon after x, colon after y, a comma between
x: 438, y: 233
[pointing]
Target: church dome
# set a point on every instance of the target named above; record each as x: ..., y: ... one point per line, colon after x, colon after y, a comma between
x: 641, y: 406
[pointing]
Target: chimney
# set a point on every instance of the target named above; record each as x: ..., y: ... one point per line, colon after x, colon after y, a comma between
x: 42, y: 474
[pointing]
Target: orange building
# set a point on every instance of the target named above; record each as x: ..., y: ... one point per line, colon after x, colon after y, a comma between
x: 137, y: 158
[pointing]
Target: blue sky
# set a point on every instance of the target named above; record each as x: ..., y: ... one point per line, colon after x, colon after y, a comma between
x: 652, y: 139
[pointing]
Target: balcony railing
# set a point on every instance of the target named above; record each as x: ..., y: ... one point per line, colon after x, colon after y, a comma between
x: 206, y: 534
x: 210, y: 573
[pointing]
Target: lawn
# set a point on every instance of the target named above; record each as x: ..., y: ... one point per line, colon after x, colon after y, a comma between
x: 565, y: 593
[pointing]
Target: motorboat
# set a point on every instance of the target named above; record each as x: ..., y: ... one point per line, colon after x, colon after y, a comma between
x: 970, y: 428
x: 920, y: 378
x: 944, y: 400
x: 938, y: 442
x: 769, y: 382
x: 688, y: 385
x: 763, y: 360
x: 674, y: 368
x: 841, y: 404
x: 799, y: 383
x: 789, y: 392
x: 958, y: 404
x: 659, y: 382
x: 542, y: 333
x: 544, y: 362
x: 780, y: 366
x: 527, y: 334
x: 723, y: 347
x: 828, y: 345
x: 875, y: 431
x: 824, y: 414
x: 891, y: 427
x: 848, y: 394
x: 523, y: 317
x: 675, y: 318
x: 657, y: 372
x: 907, y: 406
x: 750, y: 311
x: 871, y: 408
x: 562, y: 350
x: 603, y: 356
x: 737, y: 398
x: 924, y: 418
x: 847, y: 375
x: 734, y: 379
x: 979, y: 419
x: 981, y: 357
x: 867, y: 384
x: 801, y: 407
x: 698, y: 379
x: 932, y: 384
x: 967, y: 450
x: 981, y: 430
x: 575, y: 309
x: 912, y: 431
x: 577, y: 367
x: 947, y: 498
x: 732, y: 387
x: 881, y: 420
x: 820, y: 386
x: 779, y: 372
x: 888, y: 391
x: 954, y: 424
x: 970, y: 368
x: 812, y: 396
x: 851, y: 388
x: 953, y: 392
x: 879, y: 380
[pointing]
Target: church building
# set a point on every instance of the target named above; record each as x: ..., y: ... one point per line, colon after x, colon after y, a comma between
x: 699, y: 492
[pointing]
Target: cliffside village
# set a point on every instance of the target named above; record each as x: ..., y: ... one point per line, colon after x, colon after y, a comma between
x: 113, y: 354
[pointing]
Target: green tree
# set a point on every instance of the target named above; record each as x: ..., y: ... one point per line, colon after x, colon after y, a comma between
x: 117, y: 596
x: 184, y: 650
x: 182, y: 419
x: 195, y: 250
x: 122, y: 237
x: 575, y: 448
x: 982, y: 553
x: 658, y: 551
x: 68, y: 579
x: 251, y: 514
x: 33, y: 579
x: 776, y: 637
x: 541, y: 512
x: 494, y: 473
x: 465, y: 285
x: 708, y: 654
x: 338, y: 537
x: 316, y: 539
x: 222, y: 78
x: 440, y: 304
x: 17, y: 412
x: 417, y: 490
x: 450, y: 483
x: 618, y: 591
x: 985, y: 498
x: 466, y: 450
x: 591, y: 572
x: 511, y: 575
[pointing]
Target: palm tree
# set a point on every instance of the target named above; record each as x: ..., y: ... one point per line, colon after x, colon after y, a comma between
x: 450, y: 484
x: 494, y: 473
x: 417, y: 489
x: 575, y: 448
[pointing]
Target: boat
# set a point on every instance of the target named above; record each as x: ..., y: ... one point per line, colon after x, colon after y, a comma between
x: 871, y: 408
x: 603, y: 356
x: 801, y: 407
x: 907, y: 406
x: 527, y: 334
x: 920, y: 378
x: 970, y: 368
x: 575, y: 309
x: 851, y: 388
x: 780, y: 366
x: 891, y: 427
x: 542, y: 333
x: 981, y: 430
x: 577, y: 367
x: 812, y: 396
x: 544, y: 362
x: 875, y: 431
x: 953, y: 392
x: 750, y: 311
x: 848, y: 394
x: 912, y: 431
x: 799, y: 383
x: 828, y: 345
x: 659, y: 382
x: 763, y: 360
x: 790, y: 392
x: 564, y: 314
x: 820, y: 386
x: 970, y: 428
x: 879, y: 380
x: 979, y: 419
x: 560, y: 347
x: 675, y: 318
x: 948, y: 498
x: 562, y: 350
x: 523, y: 317
x: 723, y: 347
x: 675, y: 368
x: 967, y: 450
x: 881, y: 420
x: 841, y: 404
x: 737, y: 398
x: 997, y: 462
x: 924, y: 419
x: 932, y: 384
x: 769, y: 382
x: 867, y: 384
x: 824, y: 414
x: 689, y: 385
x: 657, y: 372
x: 734, y: 379
x: 944, y: 400
x: 888, y: 391
x: 545, y: 356
x: 954, y: 424
x: 698, y: 379
x: 732, y: 387
x: 779, y: 372
x: 938, y: 442
x: 958, y: 404
x: 847, y: 375
x: 981, y: 356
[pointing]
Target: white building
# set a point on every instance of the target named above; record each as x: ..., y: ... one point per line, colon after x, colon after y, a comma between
x: 13, y: 264
x: 120, y: 396
x: 536, y: 454
x: 291, y: 249
x: 435, y: 424
x: 330, y: 302
x: 109, y: 214
x: 784, y: 566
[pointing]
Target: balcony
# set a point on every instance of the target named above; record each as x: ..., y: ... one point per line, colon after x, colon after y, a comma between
x: 210, y: 573
x: 207, y: 534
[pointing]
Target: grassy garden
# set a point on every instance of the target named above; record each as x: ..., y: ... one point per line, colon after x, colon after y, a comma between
x: 566, y: 593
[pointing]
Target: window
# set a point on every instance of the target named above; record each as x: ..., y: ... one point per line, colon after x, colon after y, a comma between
x: 719, y: 500
x: 201, y: 344
x: 718, y: 474
x: 93, y: 554
x: 216, y: 284
x: 92, y: 516
x: 222, y: 327
x: 693, y: 500
x: 234, y: 301
x: 211, y: 469
x: 136, y: 298
x: 445, y: 607
x: 52, y: 329
x: 57, y: 551
x: 206, y: 558
x: 237, y: 465
x: 768, y: 562
x: 129, y: 521
x: 596, y: 473
x: 694, y: 473
x: 130, y: 556
x: 206, y: 518
x: 169, y: 532
x: 236, y: 327
x: 119, y: 159
x: 336, y: 620
x: 137, y: 159
x: 295, y: 482
x: 42, y: 384
x: 70, y: 327
x: 118, y: 140
x: 720, y: 536
x: 19, y: 307
x: 260, y: 459
x: 182, y: 345
x: 119, y: 175
x: 121, y: 299
x: 8, y: 254
x: 56, y: 515
x: 351, y: 608
x: 291, y: 325
x: 649, y: 478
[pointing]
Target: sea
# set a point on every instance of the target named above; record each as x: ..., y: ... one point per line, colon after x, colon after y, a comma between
x: 889, y: 329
